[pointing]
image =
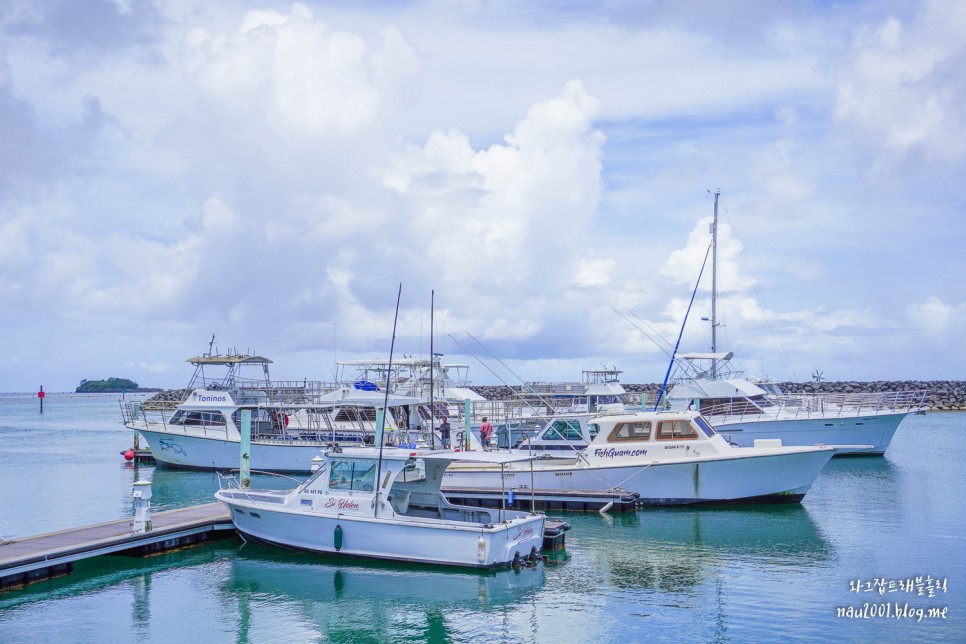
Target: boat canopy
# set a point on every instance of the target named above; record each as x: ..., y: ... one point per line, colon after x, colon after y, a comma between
x: 397, y: 454
x: 706, y: 356
x: 707, y: 388
x: 235, y: 359
x: 605, y: 389
x: 353, y: 396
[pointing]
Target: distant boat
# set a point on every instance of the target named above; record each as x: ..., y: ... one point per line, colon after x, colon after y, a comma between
x: 386, y: 504
x: 668, y: 457
x: 744, y: 412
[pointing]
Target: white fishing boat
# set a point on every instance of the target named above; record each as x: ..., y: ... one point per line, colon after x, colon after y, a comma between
x: 669, y: 458
x: 386, y: 504
x: 743, y: 412
x: 290, y: 420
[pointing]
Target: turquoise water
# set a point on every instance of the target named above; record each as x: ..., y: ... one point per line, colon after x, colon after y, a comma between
x: 729, y: 575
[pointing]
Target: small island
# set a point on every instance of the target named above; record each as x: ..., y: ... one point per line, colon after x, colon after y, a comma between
x: 111, y: 386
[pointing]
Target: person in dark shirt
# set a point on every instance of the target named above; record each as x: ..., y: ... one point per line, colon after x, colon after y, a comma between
x: 444, y: 430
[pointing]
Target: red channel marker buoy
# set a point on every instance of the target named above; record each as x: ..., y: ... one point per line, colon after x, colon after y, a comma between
x: 129, y: 455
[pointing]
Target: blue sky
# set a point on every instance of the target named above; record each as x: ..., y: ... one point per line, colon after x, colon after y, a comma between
x: 271, y: 171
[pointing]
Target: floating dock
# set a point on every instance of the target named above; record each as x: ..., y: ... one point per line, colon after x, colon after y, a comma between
x: 525, y: 498
x: 23, y: 561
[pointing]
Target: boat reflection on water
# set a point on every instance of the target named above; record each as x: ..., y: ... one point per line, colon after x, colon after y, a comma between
x: 674, y: 549
x: 329, y: 597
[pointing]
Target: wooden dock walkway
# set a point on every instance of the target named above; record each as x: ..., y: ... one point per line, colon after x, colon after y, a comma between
x: 29, y: 559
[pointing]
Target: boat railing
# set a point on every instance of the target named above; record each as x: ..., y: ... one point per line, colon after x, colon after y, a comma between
x: 807, y: 405
x: 283, y: 392
x: 136, y: 416
x: 262, y: 485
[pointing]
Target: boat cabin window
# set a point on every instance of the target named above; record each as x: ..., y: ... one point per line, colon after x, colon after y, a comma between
x: 352, y: 474
x: 630, y: 432
x: 675, y: 429
x: 414, y: 470
x: 355, y: 413
x: 593, y: 429
x: 561, y: 430
x: 197, y: 418
x: 260, y: 418
x: 704, y: 425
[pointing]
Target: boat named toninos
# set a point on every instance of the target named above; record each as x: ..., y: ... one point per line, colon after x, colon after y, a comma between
x: 200, y: 428
x: 387, y: 504
x: 668, y: 457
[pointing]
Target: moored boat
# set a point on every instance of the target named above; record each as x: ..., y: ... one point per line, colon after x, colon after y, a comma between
x: 669, y: 458
x: 387, y: 504
x: 863, y: 424
x: 743, y: 411
x: 290, y: 420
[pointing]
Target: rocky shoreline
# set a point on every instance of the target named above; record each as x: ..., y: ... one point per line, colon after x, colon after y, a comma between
x: 943, y: 395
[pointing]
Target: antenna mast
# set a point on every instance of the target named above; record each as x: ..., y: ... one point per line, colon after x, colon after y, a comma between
x: 385, y: 403
x: 714, y: 286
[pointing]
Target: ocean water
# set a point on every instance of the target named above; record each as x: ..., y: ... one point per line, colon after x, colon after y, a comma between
x: 874, y: 535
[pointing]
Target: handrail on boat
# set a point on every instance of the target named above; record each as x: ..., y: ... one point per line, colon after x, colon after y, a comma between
x: 823, y: 405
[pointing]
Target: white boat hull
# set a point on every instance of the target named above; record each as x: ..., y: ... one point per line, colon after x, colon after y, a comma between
x: 874, y: 431
x: 401, y: 539
x: 192, y: 451
x: 768, y: 477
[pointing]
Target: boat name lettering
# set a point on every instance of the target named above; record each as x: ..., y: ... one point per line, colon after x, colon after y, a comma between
x: 524, y: 532
x: 211, y: 398
x: 615, y: 453
x: 342, y: 504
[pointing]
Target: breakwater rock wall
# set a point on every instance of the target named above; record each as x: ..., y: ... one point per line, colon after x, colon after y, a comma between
x: 942, y: 394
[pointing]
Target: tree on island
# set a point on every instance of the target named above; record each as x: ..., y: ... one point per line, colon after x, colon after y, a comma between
x: 111, y: 385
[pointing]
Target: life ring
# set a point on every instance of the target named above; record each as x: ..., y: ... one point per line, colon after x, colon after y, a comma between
x: 284, y: 420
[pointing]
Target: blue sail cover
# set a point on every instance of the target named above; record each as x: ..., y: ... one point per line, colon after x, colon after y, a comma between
x: 364, y: 385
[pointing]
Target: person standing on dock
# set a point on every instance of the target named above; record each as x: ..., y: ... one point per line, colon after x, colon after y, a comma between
x: 444, y: 430
x: 486, y: 432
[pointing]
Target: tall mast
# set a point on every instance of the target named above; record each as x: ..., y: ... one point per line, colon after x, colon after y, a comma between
x: 432, y: 369
x: 714, y: 286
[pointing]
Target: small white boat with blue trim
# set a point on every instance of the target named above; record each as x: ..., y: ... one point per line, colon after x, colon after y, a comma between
x: 387, y: 504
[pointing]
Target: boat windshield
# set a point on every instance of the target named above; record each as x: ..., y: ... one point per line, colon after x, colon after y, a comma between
x: 352, y: 474
x: 704, y: 425
x: 201, y: 417
x: 567, y: 430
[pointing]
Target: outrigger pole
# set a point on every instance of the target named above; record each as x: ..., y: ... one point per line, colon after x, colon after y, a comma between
x: 380, y: 431
x: 681, y: 332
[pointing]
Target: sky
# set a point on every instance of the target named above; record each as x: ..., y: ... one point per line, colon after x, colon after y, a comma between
x: 538, y: 177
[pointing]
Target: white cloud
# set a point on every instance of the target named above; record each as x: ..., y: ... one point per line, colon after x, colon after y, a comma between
x: 509, y: 216
x: 295, y: 74
x: 271, y: 172
x: 939, y: 318
x: 684, y: 265
x: 900, y: 88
